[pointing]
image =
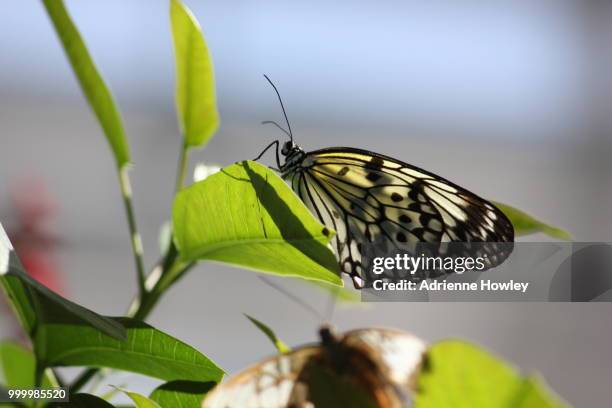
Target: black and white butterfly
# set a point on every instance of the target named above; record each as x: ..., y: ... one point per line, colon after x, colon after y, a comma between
x: 364, y: 368
x: 373, y: 199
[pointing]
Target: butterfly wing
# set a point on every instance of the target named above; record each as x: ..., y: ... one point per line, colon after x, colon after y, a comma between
x: 272, y: 383
x: 397, y: 354
x: 368, y: 198
x: 366, y: 368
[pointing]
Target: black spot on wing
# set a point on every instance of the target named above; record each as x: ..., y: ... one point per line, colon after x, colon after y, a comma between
x: 396, y: 197
x: 373, y: 177
x: 375, y: 163
x: 404, y: 219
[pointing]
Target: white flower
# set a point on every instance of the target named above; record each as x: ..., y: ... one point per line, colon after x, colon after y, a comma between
x: 5, y: 251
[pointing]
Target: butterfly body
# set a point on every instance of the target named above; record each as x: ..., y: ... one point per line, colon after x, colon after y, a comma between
x: 373, y: 199
x: 365, y: 368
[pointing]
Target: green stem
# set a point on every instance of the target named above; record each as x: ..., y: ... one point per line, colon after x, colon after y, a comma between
x: 38, y: 374
x: 126, y: 192
x: 83, y: 379
x: 166, y: 280
x: 171, y: 267
x: 182, y: 168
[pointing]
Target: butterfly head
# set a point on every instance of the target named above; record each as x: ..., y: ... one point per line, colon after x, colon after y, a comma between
x: 327, y: 335
x: 293, y: 154
x: 288, y: 147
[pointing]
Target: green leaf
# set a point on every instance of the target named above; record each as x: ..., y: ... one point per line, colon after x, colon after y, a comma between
x: 18, y: 367
x: 246, y: 215
x: 86, y: 401
x: 278, y: 343
x: 195, y: 83
x: 525, y: 224
x: 146, y: 351
x: 458, y: 374
x: 91, y: 82
x: 184, y: 394
x: 36, y: 305
x: 140, y: 400
x: 534, y: 394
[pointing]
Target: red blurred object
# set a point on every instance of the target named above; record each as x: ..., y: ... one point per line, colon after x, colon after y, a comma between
x: 30, y: 231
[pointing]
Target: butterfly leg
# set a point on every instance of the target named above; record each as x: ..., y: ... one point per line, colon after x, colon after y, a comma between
x: 268, y: 148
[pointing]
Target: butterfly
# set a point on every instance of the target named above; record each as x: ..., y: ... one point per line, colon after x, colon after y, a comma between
x: 364, y: 368
x: 373, y: 199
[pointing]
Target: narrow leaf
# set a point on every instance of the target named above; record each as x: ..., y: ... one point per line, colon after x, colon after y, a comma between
x: 525, y: 224
x: 534, y: 393
x: 246, y: 215
x: 195, y: 83
x: 91, y: 82
x: 184, y: 394
x: 278, y: 343
x: 140, y: 400
x: 458, y: 374
x: 146, y: 351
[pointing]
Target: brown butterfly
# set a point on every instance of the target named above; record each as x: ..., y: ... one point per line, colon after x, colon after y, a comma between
x: 364, y: 368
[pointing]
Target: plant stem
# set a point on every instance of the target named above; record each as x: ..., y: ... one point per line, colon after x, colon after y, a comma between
x: 182, y: 168
x: 83, y: 379
x: 171, y: 267
x: 126, y: 192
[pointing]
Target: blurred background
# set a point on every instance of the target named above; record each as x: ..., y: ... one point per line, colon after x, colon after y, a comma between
x: 509, y: 99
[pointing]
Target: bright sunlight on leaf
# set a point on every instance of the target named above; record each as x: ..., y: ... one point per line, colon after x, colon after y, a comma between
x: 140, y: 400
x: 92, y: 84
x: 525, y: 224
x: 247, y: 216
x: 461, y: 375
x: 195, y: 84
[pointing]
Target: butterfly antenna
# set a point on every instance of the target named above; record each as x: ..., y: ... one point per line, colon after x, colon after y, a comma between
x: 271, y: 122
x: 282, y: 106
x: 293, y: 297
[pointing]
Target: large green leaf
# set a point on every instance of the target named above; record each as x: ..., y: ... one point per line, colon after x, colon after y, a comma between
x: 184, y: 394
x: 146, y: 351
x: 246, y: 215
x: 36, y: 305
x: 458, y: 374
x: 195, y: 83
x: 278, y: 343
x: 90, y: 80
x: 525, y: 224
